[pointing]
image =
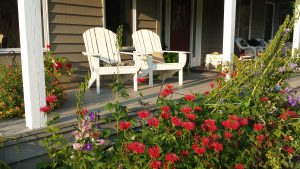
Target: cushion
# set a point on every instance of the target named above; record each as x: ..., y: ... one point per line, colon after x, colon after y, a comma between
x: 124, y: 63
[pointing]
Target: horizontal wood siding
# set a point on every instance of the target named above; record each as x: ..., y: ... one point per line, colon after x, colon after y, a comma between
x: 148, y: 14
x: 212, y: 27
x: 68, y: 19
x: 258, y: 19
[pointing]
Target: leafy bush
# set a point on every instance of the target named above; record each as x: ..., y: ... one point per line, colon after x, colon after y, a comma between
x: 11, y: 86
x: 249, y: 119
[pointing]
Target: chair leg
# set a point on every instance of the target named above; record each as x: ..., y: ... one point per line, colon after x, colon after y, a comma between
x: 98, y: 84
x: 151, y: 78
x: 135, y: 82
x: 180, y: 76
x: 92, y: 79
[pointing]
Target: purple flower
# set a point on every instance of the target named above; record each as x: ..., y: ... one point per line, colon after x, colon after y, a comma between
x: 293, y: 65
x: 92, y: 116
x: 287, y: 90
x: 88, y: 147
x: 100, y: 141
x: 292, y: 101
x: 281, y: 69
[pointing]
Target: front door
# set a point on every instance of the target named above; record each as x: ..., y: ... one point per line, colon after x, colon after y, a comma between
x: 180, y: 25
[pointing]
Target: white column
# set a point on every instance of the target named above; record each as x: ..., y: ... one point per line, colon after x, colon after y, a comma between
x: 229, y: 31
x: 32, y: 62
x: 296, y: 34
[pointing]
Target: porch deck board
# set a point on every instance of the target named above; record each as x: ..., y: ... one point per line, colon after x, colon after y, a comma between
x: 193, y: 82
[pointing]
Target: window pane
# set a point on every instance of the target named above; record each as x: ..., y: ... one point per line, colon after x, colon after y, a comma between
x: 118, y: 12
x: 9, y: 24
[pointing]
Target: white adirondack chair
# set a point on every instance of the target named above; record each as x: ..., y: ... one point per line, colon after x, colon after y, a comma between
x: 146, y: 43
x: 100, y: 44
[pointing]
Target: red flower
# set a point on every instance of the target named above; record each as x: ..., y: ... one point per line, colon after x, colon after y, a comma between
x: 136, y: 147
x: 235, y: 125
x: 287, y: 138
x: 212, y: 85
x: 260, y: 138
x: 165, y: 115
x: 143, y: 114
x: 205, y: 141
x: 165, y: 109
x: 190, y: 116
x: 45, y: 109
x: 234, y: 117
x: 124, y: 125
x: 258, y: 127
x: 217, y: 147
x: 206, y: 92
x: 188, y: 125
x: 198, y: 108
x: 178, y: 133
x: 209, y: 125
x: 51, y: 99
x: 184, y: 153
x: 167, y: 91
x: 57, y: 65
x: 171, y: 158
x: 189, y: 97
x: 153, y: 122
x: 141, y: 80
x: 264, y: 99
x: 227, y: 135
x: 288, y: 149
x: 155, y: 164
x: 199, y: 150
x: 244, y: 122
x: 69, y: 66
x: 223, y: 74
x: 154, y: 151
x: 186, y: 110
x: 226, y: 124
x: 239, y: 166
x: 176, y: 121
x: 48, y: 46
x: 214, y: 137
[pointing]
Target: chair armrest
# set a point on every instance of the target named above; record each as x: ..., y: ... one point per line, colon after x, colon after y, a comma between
x: 168, y: 51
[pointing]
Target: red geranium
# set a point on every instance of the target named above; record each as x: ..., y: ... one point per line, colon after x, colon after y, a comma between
x: 154, y: 151
x: 205, y: 141
x: 153, y: 122
x: 57, y: 65
x: 244, y: 121
x: 206, y: 92
x: 165, y: 109
x: 260, y: 138
x: 288, y: 149
x: 171, y: 158
x: 155, y: 164
x: 176, y: 121
x: 141, y: 80
x: 45, y: 109
x: 69, y: 66
x: 258, y: 127
x: 189, y: 97
x: 212, y: 85
x: 264, y: 99
x: 209, y: 125
x: 167, y: 91
x: 165, y: 115
x: 51, y: 99
x: 186, y: 110
x: 188, y: 125
x: 124, y: 125
x: 136, y: 147
x: 190, y: 116
x: 184, y: 153
x: 198, y: 108
x: 143, y: 114
x: 227, y: 135
x: 239, y: 166
x: 217, y: 147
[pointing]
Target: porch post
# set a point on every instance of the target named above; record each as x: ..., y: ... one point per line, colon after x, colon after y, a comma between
x: 229, y: 31
x: 296, y: 34
x: 32, y: 62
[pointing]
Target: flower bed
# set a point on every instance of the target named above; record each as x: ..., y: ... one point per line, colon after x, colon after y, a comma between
x: 11, y: 86
x: 249, y: 119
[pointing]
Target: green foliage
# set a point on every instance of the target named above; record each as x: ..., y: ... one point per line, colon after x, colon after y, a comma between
x: 3, y: 165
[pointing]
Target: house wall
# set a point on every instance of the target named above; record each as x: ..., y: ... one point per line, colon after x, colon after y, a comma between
x: 68, y: 19
x: 212, y: 27
x: 148, y: 15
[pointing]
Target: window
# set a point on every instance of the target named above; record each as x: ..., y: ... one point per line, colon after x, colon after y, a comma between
x: 269, y: 21
x: 244, y: 18
x: 9, y: 24
x: 118, y: 12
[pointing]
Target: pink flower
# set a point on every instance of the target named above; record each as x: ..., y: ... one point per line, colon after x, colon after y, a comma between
x: 51, y: 99
x: 77, y: 146
x: 45, y: 109
x: 143, y: 114
x: 153, y: 122
x: 189, y: 97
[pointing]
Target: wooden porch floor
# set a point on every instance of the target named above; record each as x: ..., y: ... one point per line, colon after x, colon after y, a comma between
x: 193, y: 82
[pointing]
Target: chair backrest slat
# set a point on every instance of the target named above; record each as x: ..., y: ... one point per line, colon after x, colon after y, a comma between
x: 103, y: 42
x: 146, y: 41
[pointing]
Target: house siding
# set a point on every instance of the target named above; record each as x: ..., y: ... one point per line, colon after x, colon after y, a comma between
x: 212, y: 27
x: 148, y: 15
x: 68, y: 19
